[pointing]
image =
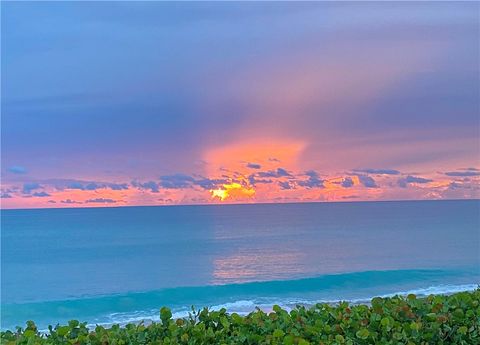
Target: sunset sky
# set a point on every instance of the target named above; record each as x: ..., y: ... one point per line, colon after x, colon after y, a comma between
x: 148, y: 103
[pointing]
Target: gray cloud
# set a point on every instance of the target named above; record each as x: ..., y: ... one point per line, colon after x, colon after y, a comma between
x: 253, y: 166
x: 41, y: 194
x: 82, y: 185
x: 286, y: 185
x: 403, y: 182
x: 176, y: 181
x: 150, y: 185
x: 280, y: 172
x: 101, y: 200
x: 350, y: 197
x: 118, y: 186
x: 463, y: 173
x: 29, y: 187
x: 207, y: 183
x: 367, y: 181
x: 378, y: 171
x: 253, y: 180
x: 414, y: 179
x: 347, y: 182
x: 313, y: 180
x: 70, y: 201
x: 179, y: 181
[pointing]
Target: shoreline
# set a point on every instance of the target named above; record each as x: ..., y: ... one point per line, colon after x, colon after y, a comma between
x: 439, y: 318
x: 242, y: 306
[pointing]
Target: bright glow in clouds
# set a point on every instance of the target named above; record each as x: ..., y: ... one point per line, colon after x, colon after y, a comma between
x: 238, y: 102
x: 234, y: 191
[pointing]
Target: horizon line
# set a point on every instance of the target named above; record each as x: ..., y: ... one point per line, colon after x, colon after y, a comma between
x: 240, y: 204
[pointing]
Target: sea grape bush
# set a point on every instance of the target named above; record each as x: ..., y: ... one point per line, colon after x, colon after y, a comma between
x: 453, y: 319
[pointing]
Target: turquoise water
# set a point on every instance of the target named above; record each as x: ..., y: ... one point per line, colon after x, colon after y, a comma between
x: 107, y: 265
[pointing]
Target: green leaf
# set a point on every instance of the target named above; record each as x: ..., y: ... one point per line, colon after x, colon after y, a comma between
x: 377, y: 302
x: 277, y: 309
x: 288, y: 340
x: 415, y: 326
x: 385, y: 322
x: 397, y: 336
x: 363, y: 333
x: 165, y: 314
x: 224, y: 321
x: 63, y: 330
x: 29, y: 333
x: 73, y: 323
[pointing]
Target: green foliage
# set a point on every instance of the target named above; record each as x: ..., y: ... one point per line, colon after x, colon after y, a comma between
x: 398, y: 320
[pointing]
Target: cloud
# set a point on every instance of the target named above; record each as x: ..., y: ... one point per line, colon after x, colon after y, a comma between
x: 16, y: 169
x: 378, y: 171
x: 52, y: 201
x: 253, y: 180
x: 41, y: 194
x: 403, y: 182
x: 463, y: 173
x: 234, y: 191
x: 270, y: 173
x: 29, y: 187
x: 207, y: 183
x: 313, y: 180
x: 176, y: 181
x: 92, y: 186
x: 367, y: 181
x: 118, y: 186
x: 286, y: 185
x: 347, y: 182
x: 346, y: 197
x: 101, y: 200
x: 74, y: 185
x: 414, y: 179
x: 70, y: 201
x: 5, y: 196
x: 280, y: 172
x: 455, y: 185
x: 150, y: 185
x: 82, y: 185
x: 254, y: 166
x: 179, y: 181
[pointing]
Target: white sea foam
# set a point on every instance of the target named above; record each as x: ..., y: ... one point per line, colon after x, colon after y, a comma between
x: 244, y: 307
x: 438, y: 290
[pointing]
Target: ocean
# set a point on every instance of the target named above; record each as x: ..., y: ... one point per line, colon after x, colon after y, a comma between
x: 117, y: 265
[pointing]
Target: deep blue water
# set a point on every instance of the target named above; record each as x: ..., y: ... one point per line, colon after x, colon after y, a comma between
x: 105, y: 265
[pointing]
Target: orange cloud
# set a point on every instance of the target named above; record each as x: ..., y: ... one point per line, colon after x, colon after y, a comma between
x: 233, y: 191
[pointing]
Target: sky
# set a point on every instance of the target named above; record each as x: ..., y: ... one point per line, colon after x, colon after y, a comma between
x: 149, y: 103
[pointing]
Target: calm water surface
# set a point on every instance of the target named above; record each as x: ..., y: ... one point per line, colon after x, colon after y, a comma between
x: 120, y: 264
